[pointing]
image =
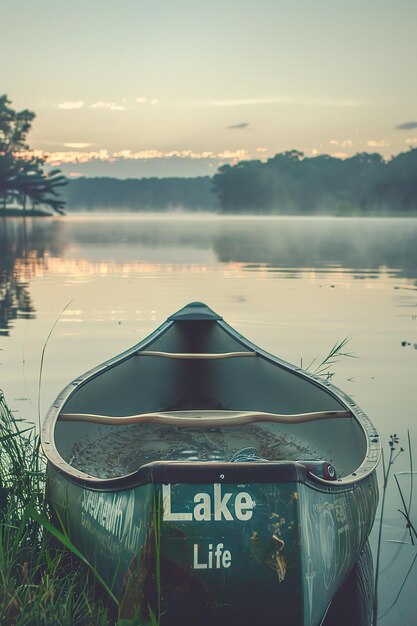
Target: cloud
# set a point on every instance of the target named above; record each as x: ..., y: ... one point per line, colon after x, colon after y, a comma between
x: 411, y: 141
x: 143, y: 100
x: 240, y: 126
x: 230, y: 155
x: 78, y: 104
x: 406, y: 126
x: 261, y: 149
x: 77, y: 156
x: 74, y: 156
x: 372, y: 143
x: 101, y: 104
x: 340, y: 155
x: 78, y: 145
x: 346, y: 143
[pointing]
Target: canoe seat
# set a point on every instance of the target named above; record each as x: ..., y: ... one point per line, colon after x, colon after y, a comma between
x: 203, y: 419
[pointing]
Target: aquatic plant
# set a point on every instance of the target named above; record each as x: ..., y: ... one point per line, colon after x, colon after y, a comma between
x: 386, y: 470
x: 324, y: 367
x: 405, y: 511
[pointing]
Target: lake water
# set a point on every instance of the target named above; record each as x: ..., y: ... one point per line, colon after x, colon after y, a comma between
x: 294, y: 286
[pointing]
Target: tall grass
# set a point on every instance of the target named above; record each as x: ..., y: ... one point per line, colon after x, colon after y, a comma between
x: 386, y: 470
x: 41, y: 581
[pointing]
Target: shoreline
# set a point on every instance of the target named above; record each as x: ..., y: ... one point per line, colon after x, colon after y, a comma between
x: 22, y: 213
x: 181, y: 214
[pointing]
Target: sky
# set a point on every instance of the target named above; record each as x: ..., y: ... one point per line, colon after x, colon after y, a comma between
x: 176, y: 88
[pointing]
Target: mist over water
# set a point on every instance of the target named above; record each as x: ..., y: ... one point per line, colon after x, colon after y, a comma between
x: 295, y: 286
x: 291, y: 242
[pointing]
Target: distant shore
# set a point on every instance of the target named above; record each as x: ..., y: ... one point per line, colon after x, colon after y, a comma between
x: 187, y: 212
x: 22, y: 213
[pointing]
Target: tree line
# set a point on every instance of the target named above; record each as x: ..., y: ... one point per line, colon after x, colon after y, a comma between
x: 141, y: 194
x: 291, y: 183
x: 288, y: 183
x: 23, y: 179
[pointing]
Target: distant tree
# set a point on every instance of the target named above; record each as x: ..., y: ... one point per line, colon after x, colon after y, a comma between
x: 22, y: 176
x: 141, y: 194
x: 398, y: 187
x: 290, y: 182
x: 14, y: 127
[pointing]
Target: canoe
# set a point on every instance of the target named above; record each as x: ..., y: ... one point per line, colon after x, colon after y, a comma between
x: 210, y: 482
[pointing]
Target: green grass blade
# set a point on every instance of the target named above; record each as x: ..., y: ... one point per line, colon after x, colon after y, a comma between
x: 64, y: 539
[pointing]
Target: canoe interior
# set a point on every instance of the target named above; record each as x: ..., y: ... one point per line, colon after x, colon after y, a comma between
x: 139, y: 384
x: 112, y: 451
x: 144, y: 384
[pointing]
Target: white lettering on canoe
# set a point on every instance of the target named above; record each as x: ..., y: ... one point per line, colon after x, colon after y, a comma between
x: 244, y: 506
x: 220, y: 504
x: 169, y: 515
x: 107, y: 511
x: 217, y: 506
x: 202, y: 509
x: 214, y: 559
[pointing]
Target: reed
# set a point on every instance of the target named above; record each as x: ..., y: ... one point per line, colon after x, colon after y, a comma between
x: 324, y: 367
x: 386, y: 470
x: 405, y: 511
x: 42, y: 580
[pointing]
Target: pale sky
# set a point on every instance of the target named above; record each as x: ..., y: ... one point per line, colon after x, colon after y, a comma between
x: 162, y: 87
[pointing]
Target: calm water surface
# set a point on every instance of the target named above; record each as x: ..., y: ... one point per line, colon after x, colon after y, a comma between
x: 294, y: 286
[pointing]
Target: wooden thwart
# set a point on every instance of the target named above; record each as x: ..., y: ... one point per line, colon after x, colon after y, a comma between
x: 203, y: 419
x: 195, y: 355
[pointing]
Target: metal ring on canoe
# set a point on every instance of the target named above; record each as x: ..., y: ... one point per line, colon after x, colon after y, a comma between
x: 203, y: 419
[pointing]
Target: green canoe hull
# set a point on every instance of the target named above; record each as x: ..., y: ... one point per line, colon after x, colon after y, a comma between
x: 211, y: 483
x: 211, y: 548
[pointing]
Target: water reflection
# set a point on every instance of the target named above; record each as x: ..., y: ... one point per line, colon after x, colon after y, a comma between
x: 365, y: 245
x: 358, y: 244
x: 15, y: 272
x: 25, y: 246
x: 15, y: 302
x: 365, y: 248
